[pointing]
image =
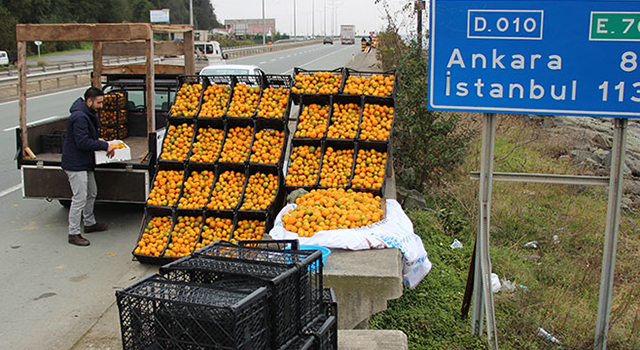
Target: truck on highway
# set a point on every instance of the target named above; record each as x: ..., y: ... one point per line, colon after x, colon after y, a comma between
x: 347, y: 34
x: 146, y: 100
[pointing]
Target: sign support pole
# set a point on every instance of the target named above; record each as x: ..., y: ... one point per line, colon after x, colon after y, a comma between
x: 611, y: 232
x: 483, y: 296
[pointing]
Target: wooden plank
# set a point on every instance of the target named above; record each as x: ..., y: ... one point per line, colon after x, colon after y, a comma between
x: 171, y: 28
x: 97, y: 64
x: 82, y: 32
x: 151, y: 84
x: 139, y: 48
x: 142, y: 69
x: 189, y: 54
x: 22, y: 92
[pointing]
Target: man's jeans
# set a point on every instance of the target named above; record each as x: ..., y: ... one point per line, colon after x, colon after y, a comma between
x: 85, y: 190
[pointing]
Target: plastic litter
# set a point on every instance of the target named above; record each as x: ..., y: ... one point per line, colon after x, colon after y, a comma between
x: 532, y: 244
x: 495, y: 283
x: 456, y: 244
x: 544, y: 334
x: 556, y: 240
x: 507, y: 286
x: 523, y: 288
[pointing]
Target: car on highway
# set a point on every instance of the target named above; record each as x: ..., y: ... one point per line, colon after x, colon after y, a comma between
x: 327, y: 40
x: 231, y: 69
x: 4, y: 58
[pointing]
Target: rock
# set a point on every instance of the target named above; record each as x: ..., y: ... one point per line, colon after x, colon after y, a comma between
x: 602, y: 157
x: 603, y: 141
x: 411, y: 199
x: 564, y: 158
x: 532, y: 257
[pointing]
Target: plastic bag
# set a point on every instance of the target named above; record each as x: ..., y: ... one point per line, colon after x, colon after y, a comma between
x: 395, y: 231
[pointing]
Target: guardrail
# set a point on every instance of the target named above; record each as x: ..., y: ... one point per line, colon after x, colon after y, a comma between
x: 45, y: 78
x: 71, y: 65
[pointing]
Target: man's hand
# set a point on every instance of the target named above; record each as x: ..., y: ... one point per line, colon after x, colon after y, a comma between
x: 111, y: 151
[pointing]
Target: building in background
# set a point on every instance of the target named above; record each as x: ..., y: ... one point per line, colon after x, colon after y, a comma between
x: 245, y: 27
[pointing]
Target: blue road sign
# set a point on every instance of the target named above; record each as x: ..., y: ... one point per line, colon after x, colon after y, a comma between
x: 542, y: 57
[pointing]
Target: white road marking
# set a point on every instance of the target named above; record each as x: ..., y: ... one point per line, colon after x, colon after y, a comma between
x: 51, y: 94
x: 317, y: 59
x: 263, y: 62
x: 10, y: 190
x: 37, y: 121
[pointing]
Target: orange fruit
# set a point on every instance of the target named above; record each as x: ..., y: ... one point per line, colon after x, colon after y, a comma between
x: 166, y: 188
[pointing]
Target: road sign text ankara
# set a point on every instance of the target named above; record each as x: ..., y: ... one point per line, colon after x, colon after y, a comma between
x: 542, y: 57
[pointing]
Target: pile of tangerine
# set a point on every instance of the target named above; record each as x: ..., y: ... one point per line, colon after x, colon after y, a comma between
x: 331, y: 209
x: 317, y: 83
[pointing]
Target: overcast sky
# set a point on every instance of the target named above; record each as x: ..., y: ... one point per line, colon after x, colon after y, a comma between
x: 364, y: 14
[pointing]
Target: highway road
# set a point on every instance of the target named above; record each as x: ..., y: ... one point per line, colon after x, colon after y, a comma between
x: 53, y: 292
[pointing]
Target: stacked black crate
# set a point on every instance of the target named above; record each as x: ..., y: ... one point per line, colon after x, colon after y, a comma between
x: 293, y: 279
x: 160, y: 313
x: 113, y: 116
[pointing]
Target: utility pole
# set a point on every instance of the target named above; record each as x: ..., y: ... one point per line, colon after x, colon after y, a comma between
x: 313, y: 18
x: 264, y: 34
x: 191, y: 12
x: 325, y: 17
x: 294, y: 19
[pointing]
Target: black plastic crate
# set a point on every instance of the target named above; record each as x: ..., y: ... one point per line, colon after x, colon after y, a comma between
x: 325, y: 330
x: 276, y: 82
x: 158, y: 313
x: 115, y: 100
x: 198, y: 169
x: 342, y: 145
x: 278, y: 198
x: 222, y: 80
x: 330, y: 302
x: 300, y: 342
x: 272, y: 244
x: 368, y: 74
x: 52, y: 143
x: 230, y: 124
x: 269, y: 264
x: 189, y: 80
x: 262, y: 125
x: 254, y: 81
x: 372, y: 100
x: 149, y: 214
x: 190, y: 217
x: 336, y: 101
x: 176, y: 122
x: 204, y: 124
x: 220, y: 169
x: 380, y: 147
x: 299, y: 143
x: 114, y: 132
x: 324, y: 101
x: 215, y: 234
x: 166, y: 166
x: 284, y: 310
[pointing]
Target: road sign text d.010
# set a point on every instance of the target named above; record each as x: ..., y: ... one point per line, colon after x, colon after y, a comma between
x: 543, y: 57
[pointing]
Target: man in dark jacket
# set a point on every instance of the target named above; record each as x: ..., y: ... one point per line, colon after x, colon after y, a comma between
x: 78, y: 161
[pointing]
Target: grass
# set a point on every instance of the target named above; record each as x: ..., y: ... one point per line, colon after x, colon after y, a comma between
x: 84, y: 45
x: 563, y: 280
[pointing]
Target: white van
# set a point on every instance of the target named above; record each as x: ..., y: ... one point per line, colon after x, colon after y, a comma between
x: 210, y: 51
x: 4, y: 58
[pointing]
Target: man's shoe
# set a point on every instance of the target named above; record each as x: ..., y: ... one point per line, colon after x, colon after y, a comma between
x: 78, y: 240
x: 97, y: 227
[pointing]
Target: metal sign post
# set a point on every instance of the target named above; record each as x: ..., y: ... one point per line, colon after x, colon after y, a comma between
x: 483, y: 295
x: 543, y: 57
x: 611, y: 232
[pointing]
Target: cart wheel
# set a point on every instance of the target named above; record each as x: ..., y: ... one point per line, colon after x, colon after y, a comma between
x: 65, y: 203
